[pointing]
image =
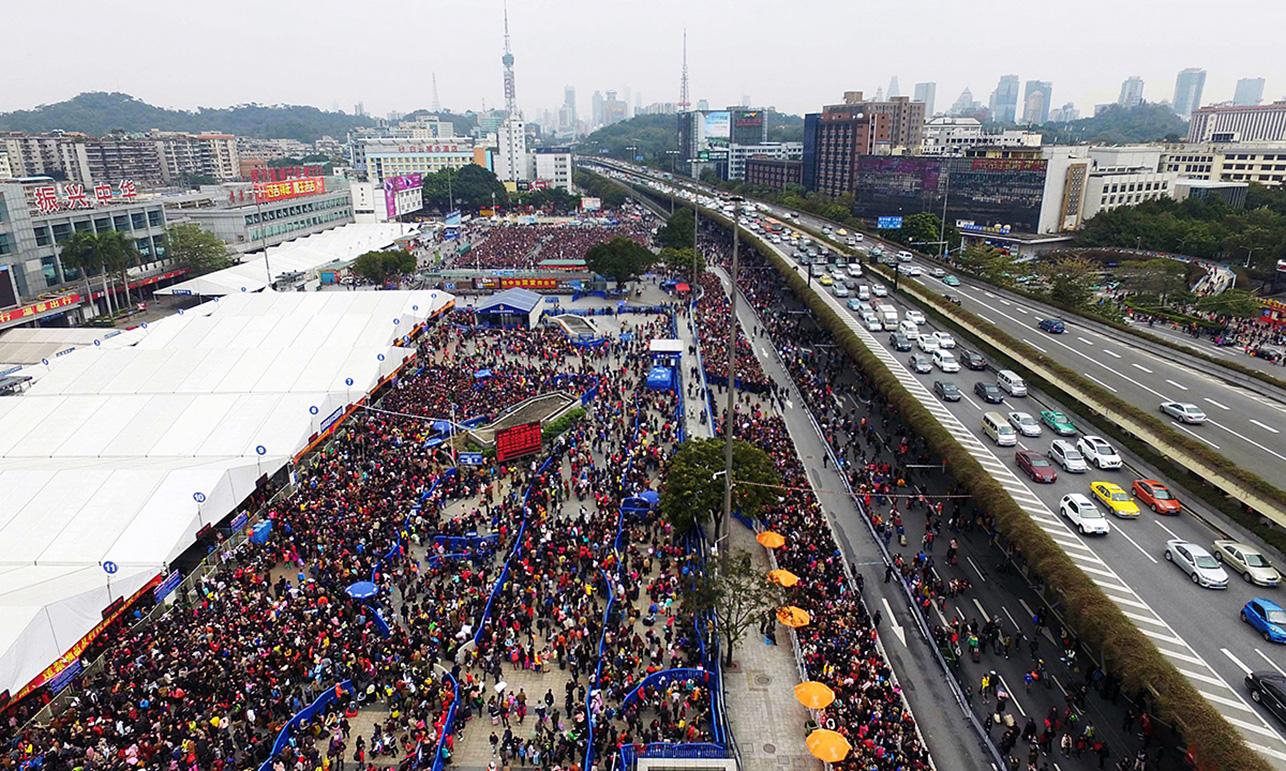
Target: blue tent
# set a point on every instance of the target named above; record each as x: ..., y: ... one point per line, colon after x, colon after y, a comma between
x: 362, y: 591
x: 659, y: 378
x: 651, y: 496
x: 481, y: 374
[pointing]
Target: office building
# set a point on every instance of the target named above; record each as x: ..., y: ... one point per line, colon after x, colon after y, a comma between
x: 38, y: 214
x: 965, y: 104
x: 1260, y: 162
x: 550, y: 167
x: 249, y: 217
x: 834, y: 139
x: 596, y: 110
x: 1065, y: 114
x: 774, y: 173
x: 378, y: 159
x: 1250, y: 91
x: 924, y: 93
x: 894, y: 88
x: 1187, y: 91
x: 567, y: 113
x: 1231, y: 193
x: 396, y: 198
x: 905, y: 118
x: 739, y: 155
x: 1004, y: 100
x: 703, y: 104
x: 707, y: 139
x: 748, y: 127
x: 1232, y: 123
x: 948, y: 135
x: 1131, y: 92
x: 511, y: 151
x: 1036, y: 102
x: 614, y: 110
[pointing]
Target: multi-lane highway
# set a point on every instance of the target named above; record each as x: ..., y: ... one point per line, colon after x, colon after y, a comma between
x: 1196, y: 629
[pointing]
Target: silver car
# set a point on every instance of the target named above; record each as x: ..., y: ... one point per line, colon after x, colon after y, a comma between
x: 1184, y: 412
x: 1203, y: 569
x: 1248, y: 561
x: 1025, y: 423
x: 1065, y: 454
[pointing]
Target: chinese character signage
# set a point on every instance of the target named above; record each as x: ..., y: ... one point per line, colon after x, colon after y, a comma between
x: 68, y: 196
x: 284, y: 173
x: 889, y: 223
x: 395, y: 185
x: 529, y: 283
x: 518, y: 441
x: 35, y: 309
x: 267, y: 192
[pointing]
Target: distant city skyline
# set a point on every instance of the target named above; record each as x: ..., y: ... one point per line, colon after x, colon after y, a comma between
x: 553, y: 50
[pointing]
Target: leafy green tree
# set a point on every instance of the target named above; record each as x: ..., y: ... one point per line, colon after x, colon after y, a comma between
x: 471, y: 187
x: 1071, y: 280
x: 610, y: 193
x: 553, y: 199
x: 920, y: 230
x: 80, y: 253
x: 119, y: 254
x: 1237, y: 303
x: 736, y: 593
x: 681, y: 260
x: 677, y: 232
x: 620, y: 259
x: 190, y: 246
x: 378, y: 267
x: 692, y: 491
x: 1158, y: 277
x: 1117, y: 125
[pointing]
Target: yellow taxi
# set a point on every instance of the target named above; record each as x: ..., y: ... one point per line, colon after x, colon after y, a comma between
x: 825, y: 280
x: 1115, y: 498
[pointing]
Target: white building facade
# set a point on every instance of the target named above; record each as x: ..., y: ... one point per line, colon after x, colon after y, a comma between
x: 511, y: 152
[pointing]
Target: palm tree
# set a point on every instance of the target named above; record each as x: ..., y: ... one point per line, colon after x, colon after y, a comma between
x: 82, y: 252
x: 118, y: 254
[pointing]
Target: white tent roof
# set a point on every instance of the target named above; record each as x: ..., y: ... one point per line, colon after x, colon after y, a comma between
x: 101, y: 458
x: 335, y: 248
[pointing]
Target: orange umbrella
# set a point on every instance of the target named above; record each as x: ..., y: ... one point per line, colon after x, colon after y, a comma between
x: 793, y: 617
x: 770, y: 540
x: 783, y: 577
x: 814, y: 695
x: 828, y: 746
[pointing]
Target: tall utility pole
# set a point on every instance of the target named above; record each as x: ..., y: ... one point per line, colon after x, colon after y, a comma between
x: 684, y: 105
x: 732, y: 375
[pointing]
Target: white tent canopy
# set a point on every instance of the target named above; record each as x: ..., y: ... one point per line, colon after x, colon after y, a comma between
x: 331, y: 248
x: 104, y: 457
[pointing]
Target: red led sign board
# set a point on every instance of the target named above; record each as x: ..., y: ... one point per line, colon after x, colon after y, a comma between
x: 518, y: 441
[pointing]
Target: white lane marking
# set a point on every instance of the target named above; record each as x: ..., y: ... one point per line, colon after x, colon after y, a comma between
x: 1187, y: 430
x: 1271, y: 663
x: 1121, y: 533
x: 989, y: 294
x: 1179, y: 386
x: 1015, y: 623
x: 982, y: 610
x: 893, y: 622
x: 1264, y: 426
x: 1201, y: 677
x: 1141, y: 367
x: 1083, y: 340
x: 1020, y: 309
x: 1013, y: 696
x: 1227, y: 701
x: 1100, y: 382
x: 1259, y: 747
x: 1215, y: 403
x: 984, y: 318
x: 1004, y: 301
x: 1246, y: 439
x: 1168, y: 530
x: 1112, y: 353
x: 975, y: 569
x: 1033, y: 345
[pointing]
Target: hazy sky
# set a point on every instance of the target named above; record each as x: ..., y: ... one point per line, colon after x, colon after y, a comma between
x: 793, y: 55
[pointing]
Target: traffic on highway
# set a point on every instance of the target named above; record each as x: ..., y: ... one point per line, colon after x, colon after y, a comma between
x: 1202, y: 590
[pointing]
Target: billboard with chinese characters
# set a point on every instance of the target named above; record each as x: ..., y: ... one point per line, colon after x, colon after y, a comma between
x: 717, y: 125
x: 396, y: 205
x: 28, y: 312
x: 267, y: 192
x: 590, y: 203
x: 67, y: 196
x: 283, y: 173
x: 518, y: 441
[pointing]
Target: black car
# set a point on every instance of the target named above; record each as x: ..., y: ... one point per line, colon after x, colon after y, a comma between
x: 923, y: 365
x: 900, y: 342
x: 1268, y: 688
x: 946, y: 391
x: 990, y: 392
x: 971, y: 359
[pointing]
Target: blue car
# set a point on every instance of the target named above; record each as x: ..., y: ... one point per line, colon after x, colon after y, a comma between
x: 855, y: 304
x: 1267, y: 617
x: 1053, y: 326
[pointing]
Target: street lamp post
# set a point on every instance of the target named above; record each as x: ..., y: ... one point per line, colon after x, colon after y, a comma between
x: 263, y: 238
x: 942, y: 225
x: 728, y: 417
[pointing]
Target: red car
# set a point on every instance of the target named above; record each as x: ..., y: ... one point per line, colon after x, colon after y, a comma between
x: 1037, y: 466
x: 1156, y: 496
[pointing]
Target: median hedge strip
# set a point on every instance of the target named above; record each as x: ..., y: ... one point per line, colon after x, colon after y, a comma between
x: 1088, y: 611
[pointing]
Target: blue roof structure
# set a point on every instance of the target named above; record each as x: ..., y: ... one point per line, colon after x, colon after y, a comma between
x: 510, y: 301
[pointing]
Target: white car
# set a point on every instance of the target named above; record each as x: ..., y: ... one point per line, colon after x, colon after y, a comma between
x: 1201, y: 567
x: 945, y: 340
x: 1097, y: 451
x: 916, y: 316
x: 879, y: 290
x: 1083, y: 514
x: 839, y: 290
x: 1065, y: 454
x: 855, y: 270
x: 910, y: 270
x: 937, y: 273
x: 1184, y: 412
x: 926, y: 343
x: 904, y: 256
x: 872, y: 322
x: 1025, y: 423
x: 909, y: 328
x: 943, y: 360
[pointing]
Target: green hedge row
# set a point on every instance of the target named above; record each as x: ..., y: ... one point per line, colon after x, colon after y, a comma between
x: 560, y: 424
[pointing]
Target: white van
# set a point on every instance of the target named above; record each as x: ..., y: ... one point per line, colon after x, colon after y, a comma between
x: 1010, y: 383
x: 999, y: 430
x: 863, y: 292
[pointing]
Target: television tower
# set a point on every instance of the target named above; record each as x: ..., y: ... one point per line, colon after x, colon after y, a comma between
x: 683, y: 82
x: 511, y: 99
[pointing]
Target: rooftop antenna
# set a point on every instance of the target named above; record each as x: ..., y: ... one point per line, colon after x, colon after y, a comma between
x: 511, y: 99
x: 683, y: 83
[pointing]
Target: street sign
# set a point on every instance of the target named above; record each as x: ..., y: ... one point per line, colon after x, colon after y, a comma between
x: 470, y: 458
x: 889, y: 223
x: 110, y: 567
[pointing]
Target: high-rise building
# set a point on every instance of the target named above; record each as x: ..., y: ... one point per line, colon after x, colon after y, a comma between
x: 1250, y: 91
x: 1065, y: 114
x: 614, y: 110
x: 1233, y: 123
x: 1004, y: 100
x: 925, y: 92
x: 1131, y: 92
x: 1187, y: 91
x: 894, y: 88
x: 1036, y: 100
x: 511, y: 155
x: 703, y: 104
x: 905, y: 118
x: 596, y: 109
x: 964, y: 103
x: 567, y: 113
x: 833, y: 141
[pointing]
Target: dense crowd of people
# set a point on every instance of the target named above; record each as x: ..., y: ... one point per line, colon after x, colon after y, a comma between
x: 713, y: 311
x: 523, y: 246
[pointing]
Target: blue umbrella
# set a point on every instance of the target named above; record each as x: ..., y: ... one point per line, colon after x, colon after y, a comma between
x: 362, y: 590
